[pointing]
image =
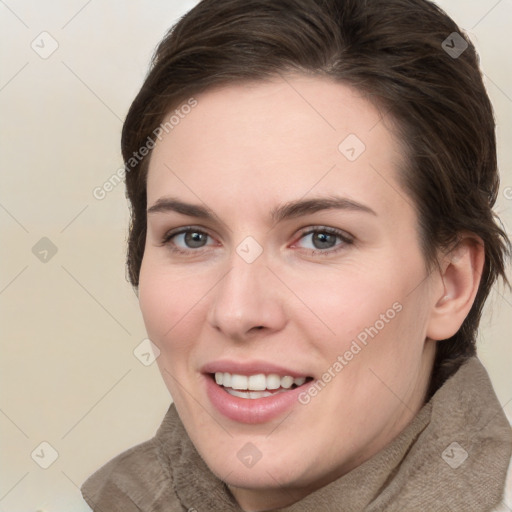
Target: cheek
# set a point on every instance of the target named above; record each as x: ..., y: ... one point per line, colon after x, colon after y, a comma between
x: 156, y: 303
x: 370, y: 314
x: 348, y: 303
x: 171, y: 309
x: 170, y: 306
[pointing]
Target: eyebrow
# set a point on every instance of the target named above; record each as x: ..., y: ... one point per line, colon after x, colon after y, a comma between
x: 299, y: 208
x: 169, y: 204
x: 290, y: 210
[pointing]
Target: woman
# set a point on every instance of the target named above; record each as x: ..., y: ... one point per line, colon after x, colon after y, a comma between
x: 312, y: 242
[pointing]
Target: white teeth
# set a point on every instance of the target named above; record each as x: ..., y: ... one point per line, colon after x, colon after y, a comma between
x: 273, y: 381
x: 239, y: 381
x: 259, y: 382
x: 253, y: 395
x: 286, y: 382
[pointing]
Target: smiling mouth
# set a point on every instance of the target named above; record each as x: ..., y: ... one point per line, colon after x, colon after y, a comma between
x: 257, y: 386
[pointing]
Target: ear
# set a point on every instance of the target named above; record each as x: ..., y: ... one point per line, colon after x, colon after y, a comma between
x: 461, y: 270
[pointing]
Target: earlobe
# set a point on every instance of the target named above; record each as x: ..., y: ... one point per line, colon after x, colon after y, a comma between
x: 460, y: 274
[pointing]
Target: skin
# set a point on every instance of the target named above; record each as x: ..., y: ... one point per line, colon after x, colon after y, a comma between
x: 243, y: 152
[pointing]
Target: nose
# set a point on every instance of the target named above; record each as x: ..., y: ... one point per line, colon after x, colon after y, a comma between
x: 247, y: 301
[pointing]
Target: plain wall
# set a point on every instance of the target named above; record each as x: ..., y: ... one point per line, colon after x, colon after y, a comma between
x: 70, y: 325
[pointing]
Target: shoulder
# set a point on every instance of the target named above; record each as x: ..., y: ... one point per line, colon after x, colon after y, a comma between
x: 135, y: 480
x: 506, y: 503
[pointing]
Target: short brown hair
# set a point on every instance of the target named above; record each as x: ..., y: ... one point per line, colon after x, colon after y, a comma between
x: 391, y: 50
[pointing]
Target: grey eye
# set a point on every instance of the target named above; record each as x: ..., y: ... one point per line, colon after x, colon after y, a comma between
x: 195, y: 239
x: 189, y: 239
x: 320, y: 240
x: 323, y: 240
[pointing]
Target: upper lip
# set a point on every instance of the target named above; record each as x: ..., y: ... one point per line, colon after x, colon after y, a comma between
x: 250, y: 368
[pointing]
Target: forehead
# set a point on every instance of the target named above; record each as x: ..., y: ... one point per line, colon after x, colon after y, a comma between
x: 278, y: 140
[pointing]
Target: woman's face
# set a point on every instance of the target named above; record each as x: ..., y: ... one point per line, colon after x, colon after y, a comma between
x: 283, y: 256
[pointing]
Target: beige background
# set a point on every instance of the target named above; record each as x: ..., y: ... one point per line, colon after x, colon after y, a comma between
x: 70, y: 324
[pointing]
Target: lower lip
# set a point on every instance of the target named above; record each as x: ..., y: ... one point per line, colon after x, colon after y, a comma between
x: 247, y: 410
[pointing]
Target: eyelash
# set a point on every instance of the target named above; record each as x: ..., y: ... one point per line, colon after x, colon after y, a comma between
x: 345, y: 238
x: 177, y: 250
